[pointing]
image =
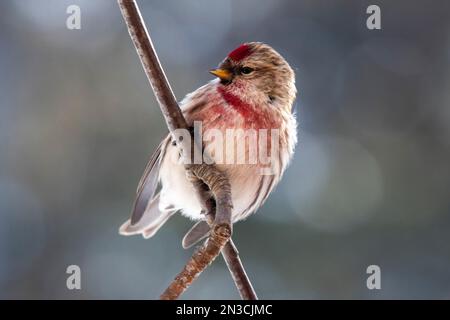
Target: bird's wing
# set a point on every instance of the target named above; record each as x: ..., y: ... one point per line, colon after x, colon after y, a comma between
x: 149, y: 182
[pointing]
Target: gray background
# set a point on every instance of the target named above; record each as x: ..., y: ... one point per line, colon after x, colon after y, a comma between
x: 369, y: 183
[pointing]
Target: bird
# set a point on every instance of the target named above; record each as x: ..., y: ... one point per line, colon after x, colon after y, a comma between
x: 253, y: 93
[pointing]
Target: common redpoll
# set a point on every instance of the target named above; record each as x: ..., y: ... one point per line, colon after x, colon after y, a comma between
x: 247, y: 128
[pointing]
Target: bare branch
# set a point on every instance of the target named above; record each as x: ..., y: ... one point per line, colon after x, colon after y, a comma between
x: 152, y: 66
x: 241, y: 280
x: 203, y: 177
x: 234, y: 264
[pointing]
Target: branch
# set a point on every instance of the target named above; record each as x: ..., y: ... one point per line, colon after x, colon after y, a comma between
x: 206, y: 179
x: 241, y: 280
x: 234, y: 264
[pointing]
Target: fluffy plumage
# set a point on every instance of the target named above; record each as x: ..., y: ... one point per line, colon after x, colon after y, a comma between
x: 257, y: 93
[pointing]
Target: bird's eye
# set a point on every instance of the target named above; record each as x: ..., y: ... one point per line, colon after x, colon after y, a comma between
x: 246, y: 70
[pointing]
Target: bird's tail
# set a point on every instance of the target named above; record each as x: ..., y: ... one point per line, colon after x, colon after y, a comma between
x: 199, y: 231
x: 149, y: 224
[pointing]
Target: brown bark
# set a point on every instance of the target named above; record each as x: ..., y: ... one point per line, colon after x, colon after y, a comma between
x: 206, y: 179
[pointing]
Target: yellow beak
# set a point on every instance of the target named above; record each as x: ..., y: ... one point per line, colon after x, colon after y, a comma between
x: 223, y: 74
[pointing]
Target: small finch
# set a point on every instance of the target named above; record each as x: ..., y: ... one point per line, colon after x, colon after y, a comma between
x: 252, y: 98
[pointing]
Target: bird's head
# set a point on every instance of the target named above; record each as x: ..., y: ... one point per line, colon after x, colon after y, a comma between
x: 258, y: 68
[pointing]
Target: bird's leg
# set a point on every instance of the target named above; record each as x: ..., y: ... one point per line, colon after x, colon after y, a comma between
x: 220, y: 188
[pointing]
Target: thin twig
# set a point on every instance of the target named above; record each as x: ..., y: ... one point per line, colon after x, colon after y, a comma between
x: 234, y: 264
x: 204, y: 177
x: 241, y: 280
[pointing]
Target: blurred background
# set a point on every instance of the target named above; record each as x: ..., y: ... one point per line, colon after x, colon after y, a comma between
x: 369, y: 184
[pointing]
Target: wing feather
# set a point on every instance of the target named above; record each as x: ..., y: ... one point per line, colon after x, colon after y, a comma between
x: 198, y: 232
x: 149, y: 182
